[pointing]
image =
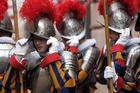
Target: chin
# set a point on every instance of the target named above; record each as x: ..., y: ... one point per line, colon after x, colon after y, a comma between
x: 39, y: 51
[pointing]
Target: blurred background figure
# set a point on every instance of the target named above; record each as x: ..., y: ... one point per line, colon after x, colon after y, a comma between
x: 6, y: 41
x: 121, y: 20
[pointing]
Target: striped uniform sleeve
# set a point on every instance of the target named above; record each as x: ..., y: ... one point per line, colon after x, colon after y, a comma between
x: 100, y: 67
x: 119, y: 57
x: 10, y: 82
x: 123, y: 85
x: 84, y: 82
x: 62, y: 82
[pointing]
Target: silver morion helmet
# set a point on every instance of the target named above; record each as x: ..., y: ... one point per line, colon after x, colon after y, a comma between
x: 118, y: 17
x: 44, y: 28
x: 71, y: 27
x: 6, y: 24
x: 72, y: 18
x: 42, y: 15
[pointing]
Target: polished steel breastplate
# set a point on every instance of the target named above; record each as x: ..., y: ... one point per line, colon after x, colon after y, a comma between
x: 41, y: 81
x: 5, y: 53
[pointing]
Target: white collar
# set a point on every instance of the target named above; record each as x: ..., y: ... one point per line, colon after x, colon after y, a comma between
x: 86, y: 44
x: 7, y: 40
x: 134, y: 41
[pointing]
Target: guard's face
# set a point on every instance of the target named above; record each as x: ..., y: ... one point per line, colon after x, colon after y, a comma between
x: 40, y: 44
x: 114, y: 36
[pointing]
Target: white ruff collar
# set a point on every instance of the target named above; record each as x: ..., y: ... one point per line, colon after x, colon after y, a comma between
x: 86, y: 44
x: 7, y: 40
x: 134, y: 41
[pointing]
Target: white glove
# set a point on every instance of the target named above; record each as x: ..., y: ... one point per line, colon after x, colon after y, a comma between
x: 61, y: 46
x: 110, y: 73
x: 21, y: 47
x: 54, y: 45
x: 124, y: 37
x: 73, y: 42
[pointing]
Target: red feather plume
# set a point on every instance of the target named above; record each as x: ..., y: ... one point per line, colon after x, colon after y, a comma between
x: 3, y: 8
x: 132, y: 6
x: 100, y: 6
x: 139, y: 5
x: 32, y: 9
x: 67, y: 6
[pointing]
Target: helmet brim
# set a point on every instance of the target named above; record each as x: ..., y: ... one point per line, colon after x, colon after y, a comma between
x: 10, y: 31
x: 36, y: 35
x: 115, y: 29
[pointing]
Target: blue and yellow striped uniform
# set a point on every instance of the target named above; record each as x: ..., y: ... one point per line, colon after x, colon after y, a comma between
x: 126, y: 86
x: 118, y: 57
x: 62, y: 82
x: 10, y: 82
x: 61, y: 79
x: 85, y: 85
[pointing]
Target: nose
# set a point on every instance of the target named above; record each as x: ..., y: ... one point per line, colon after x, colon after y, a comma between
x: 37, y: 41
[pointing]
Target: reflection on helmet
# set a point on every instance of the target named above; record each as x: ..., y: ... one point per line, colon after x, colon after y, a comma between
x: 71, y: 18
x: 44, y: 28
x: 118, y: 16
x: 121, y: 13
x: 71, y: 27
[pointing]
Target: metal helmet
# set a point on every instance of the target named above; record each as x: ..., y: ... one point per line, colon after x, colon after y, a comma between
x: 44, y: 28
x: 121, y: 13
x: 118, y: 17
x: 72, y: 15
x: 6, y: 24
x: 71, y: 26
x: 40, y: 17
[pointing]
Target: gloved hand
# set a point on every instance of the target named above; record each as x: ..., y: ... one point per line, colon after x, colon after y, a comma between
x: 61, y: 46
x: 21, y: 47
x: 124, y: 37
x: 110, y: 73
x: 73, y: 42
x: 54, y: 45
